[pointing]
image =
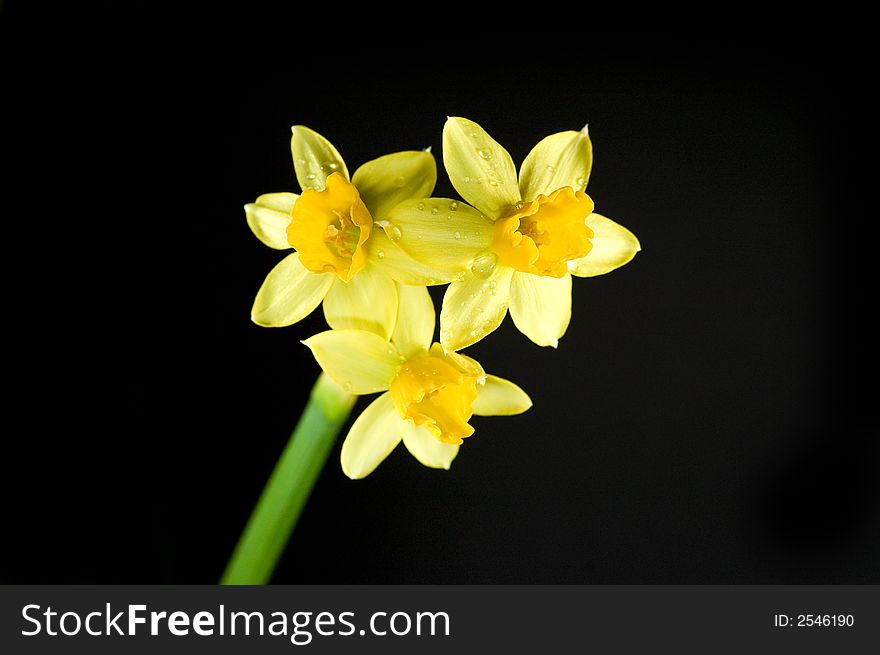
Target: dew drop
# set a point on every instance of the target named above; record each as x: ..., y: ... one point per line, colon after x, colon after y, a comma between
x: 458, y: 235
x: 485, y: 153
x: 551, y: 168
x: 332, y: 165
x: 400, y: 181
x: 381, y: 254
x: 493, y: 182
x: 347, y: 387
x: 435, y: 210
x: 421, y: 206
x: 393, y: 232
x: 466, y: 178
x: 581, y: 181
x: 311, y: 176
x: 484, y: 265
x: 520, y: 204
x: 453, y: 206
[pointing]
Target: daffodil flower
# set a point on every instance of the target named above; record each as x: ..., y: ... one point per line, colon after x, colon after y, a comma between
x: 428, y: 395
x: 341, y: 257
x: 519, y: 241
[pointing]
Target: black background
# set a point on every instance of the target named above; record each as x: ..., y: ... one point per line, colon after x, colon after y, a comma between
x: 708, y: 417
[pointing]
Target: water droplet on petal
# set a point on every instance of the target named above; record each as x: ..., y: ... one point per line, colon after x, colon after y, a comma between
x: 458, y: 235
x: 381, y: 254
x: 466, y: 178
x: 421, y: 206
x: 520, y: 204
x: 393, y: 232
x: 347, y: 387
x: 581, y: 181
x: 311, y: 176
x: 484, y: 265
x: 332, y: 165
x: 453, y: 206
x: 493, y: 182
x: 551, y: 168
x: 485, y: 153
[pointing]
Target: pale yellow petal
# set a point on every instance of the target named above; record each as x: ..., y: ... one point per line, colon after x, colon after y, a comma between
x: 374, y: 434
x: 540, y: 306
x: 473, y: 307
x: 289, y: 293
x: 445, y: 234
x: 391, y: 179
x: 385, y: 254
x: 500, y: 397
x: 415, y: 320
x: 368, y: 301
x: 479, y: 168
x: 613, y: 246
x: 428, y: 449
x: 358, y: 361
x: 269, y: 217
x: 559, y: 160
x: 314, y: 158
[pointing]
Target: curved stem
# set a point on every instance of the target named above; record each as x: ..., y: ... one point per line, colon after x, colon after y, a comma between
x: 264, y: 537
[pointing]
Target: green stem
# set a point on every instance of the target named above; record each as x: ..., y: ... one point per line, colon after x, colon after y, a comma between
x: 289, y: 486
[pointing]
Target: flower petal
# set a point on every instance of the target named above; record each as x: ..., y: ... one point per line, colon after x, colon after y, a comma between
x: 428, y: 449
x: 500, y: 397
x: 314, y: 158
x: 473, y: 307
x: 269, y: 217
x: 541, y: 306
x: 415, y: 320
x: 559, y: 160
x: 289, y: 293
x: 613, y: 246
x: 368, y: 301
x: 374, y: 434
x: 479, y: 168
x: 393, y: 178
x: 442, y: 233
x: 385, y: 254
x: 358, y: 361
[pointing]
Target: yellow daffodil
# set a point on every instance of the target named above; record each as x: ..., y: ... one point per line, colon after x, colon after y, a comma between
x: 519, y: 241
x: 429, y: 395
x: 341, y: 257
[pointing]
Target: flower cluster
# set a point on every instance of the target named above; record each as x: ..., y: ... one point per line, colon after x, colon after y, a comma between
x: 366, y: 246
